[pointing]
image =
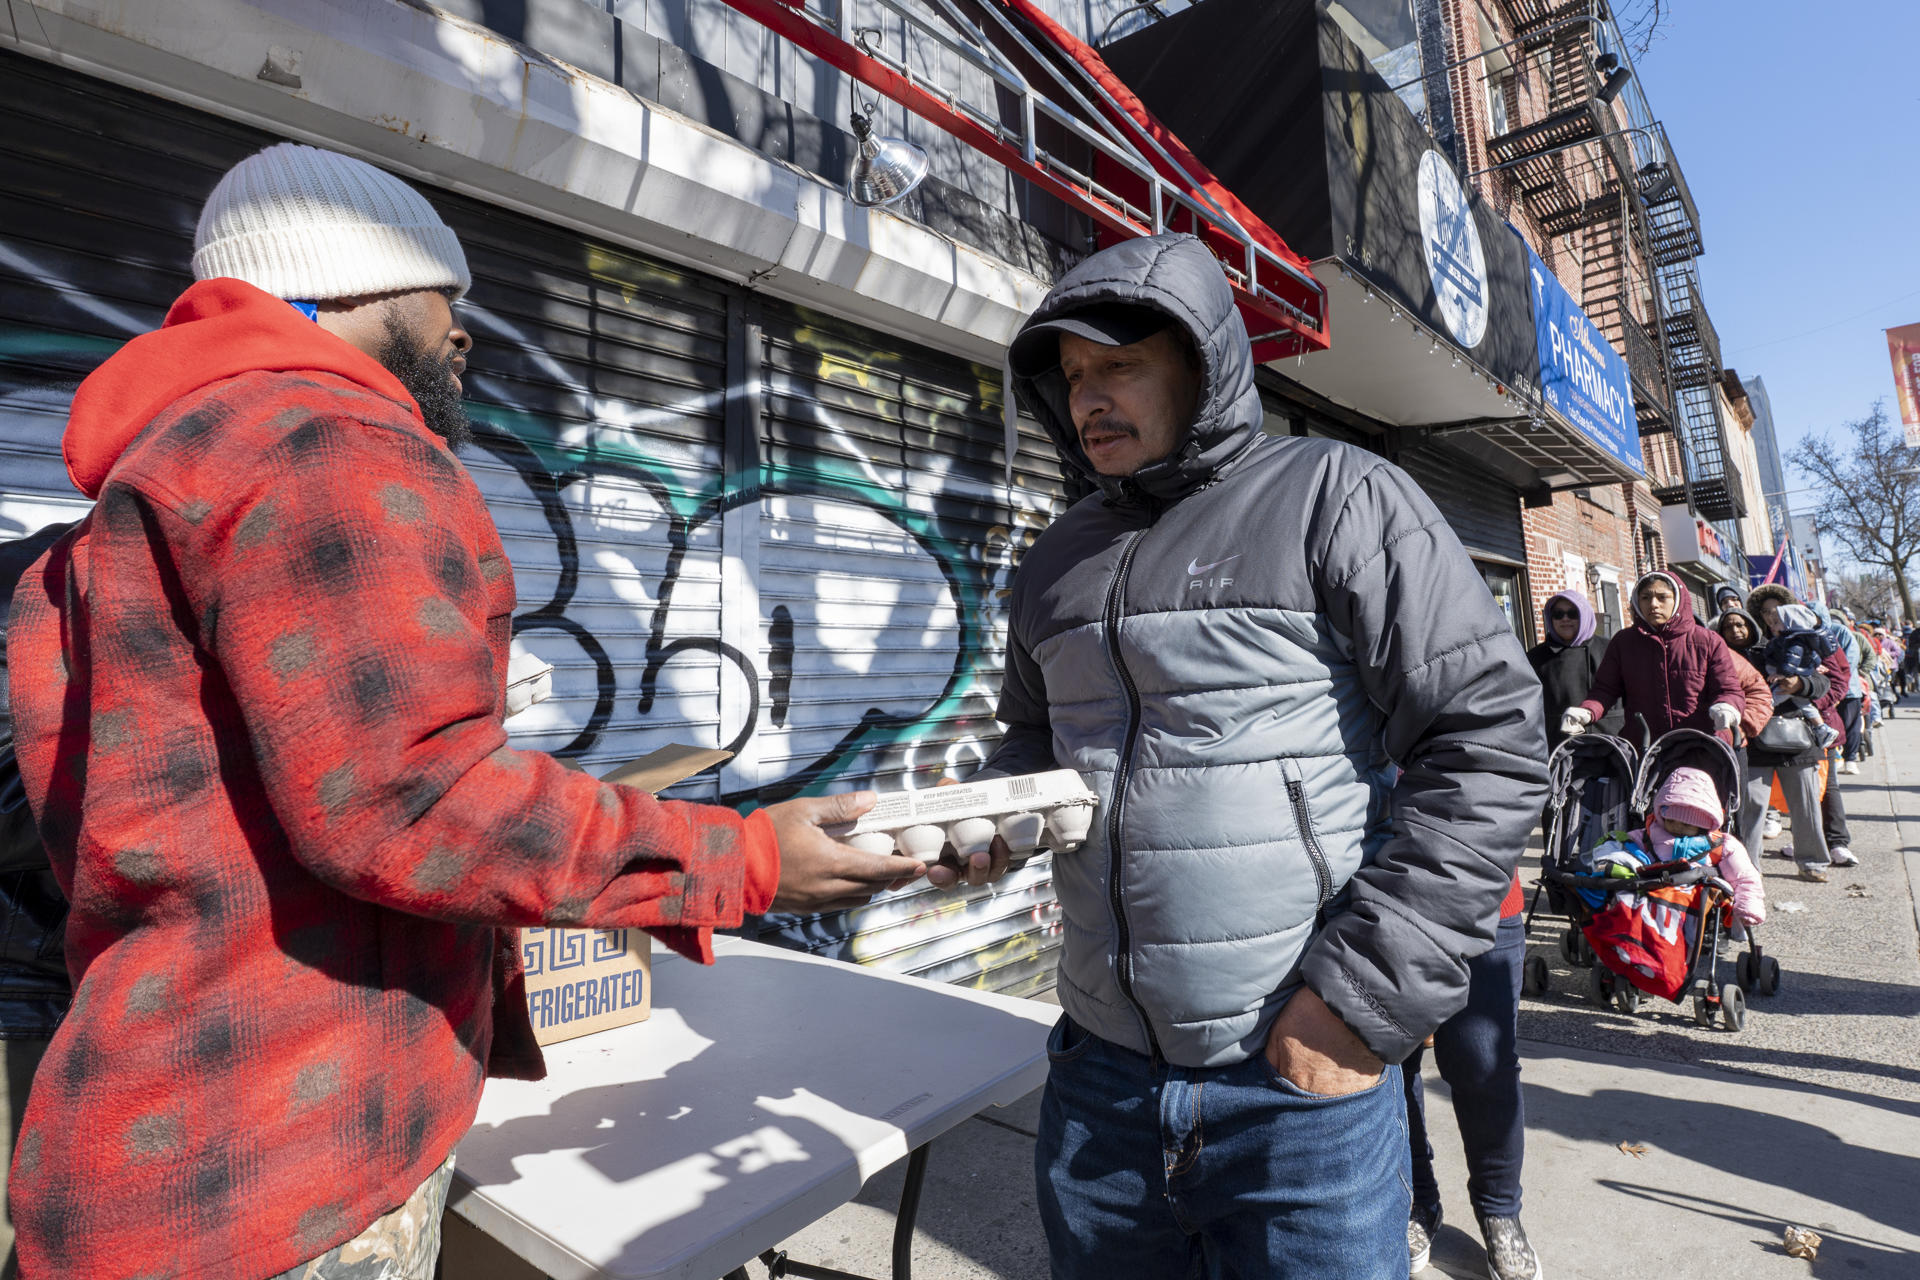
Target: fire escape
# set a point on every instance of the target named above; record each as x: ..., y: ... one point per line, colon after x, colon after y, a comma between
x: 1614, y: 196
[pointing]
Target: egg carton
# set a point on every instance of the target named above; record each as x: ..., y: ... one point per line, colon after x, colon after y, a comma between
x: 1052, y: 810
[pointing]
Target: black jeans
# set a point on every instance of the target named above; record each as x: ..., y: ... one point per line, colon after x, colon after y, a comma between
x: 1850, y: 721
x: 1833, y: 814
x: 1478, y: 1054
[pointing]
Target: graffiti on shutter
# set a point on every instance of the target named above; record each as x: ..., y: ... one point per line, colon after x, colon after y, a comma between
x: 852, y: 635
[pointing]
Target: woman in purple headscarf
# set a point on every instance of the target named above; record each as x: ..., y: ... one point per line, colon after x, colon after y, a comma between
x: 1567, y: 660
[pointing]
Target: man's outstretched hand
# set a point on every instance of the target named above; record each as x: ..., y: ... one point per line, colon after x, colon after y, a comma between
x: 1310, y: 1046
x: 817, y: 872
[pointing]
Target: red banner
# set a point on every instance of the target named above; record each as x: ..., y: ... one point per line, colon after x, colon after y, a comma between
x: 1903, y: 344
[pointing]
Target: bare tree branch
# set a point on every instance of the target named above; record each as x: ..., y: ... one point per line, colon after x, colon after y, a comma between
x: 1640, y: 22
x: 1869, y: 500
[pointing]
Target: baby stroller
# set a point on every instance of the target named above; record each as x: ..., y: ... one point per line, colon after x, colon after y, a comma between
x: 1664, y: 938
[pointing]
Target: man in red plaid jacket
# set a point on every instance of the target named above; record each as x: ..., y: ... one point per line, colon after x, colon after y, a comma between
x: 258, y: 697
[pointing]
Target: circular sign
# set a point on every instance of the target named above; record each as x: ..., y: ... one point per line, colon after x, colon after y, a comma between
x: 1455, y: 260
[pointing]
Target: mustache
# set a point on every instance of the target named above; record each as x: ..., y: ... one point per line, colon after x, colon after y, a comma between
x: 1110, y: 423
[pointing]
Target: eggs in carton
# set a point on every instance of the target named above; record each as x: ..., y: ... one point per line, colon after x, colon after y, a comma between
x: 1052, y: 810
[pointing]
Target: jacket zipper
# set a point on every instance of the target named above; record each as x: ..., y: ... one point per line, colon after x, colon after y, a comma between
x: 1116, y: 595
x: 1322, y: 874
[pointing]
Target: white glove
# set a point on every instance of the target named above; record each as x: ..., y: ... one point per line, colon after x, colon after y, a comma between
x: 1723, y: 715
x: 1575, y: 721
x: 529, y: 680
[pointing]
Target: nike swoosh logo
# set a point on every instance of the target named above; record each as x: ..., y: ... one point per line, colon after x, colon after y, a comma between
x: 1195, y: 568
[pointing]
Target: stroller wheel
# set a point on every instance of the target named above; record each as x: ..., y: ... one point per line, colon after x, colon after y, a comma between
x: 1769, y: 976
x: 1743, y: 971
x: 1626, y: 997
x: 1599, y: 985
x: 1702, y: 1011
x: 1533, y: 976
x: 1733, y: 1006
x: 1569, y: 949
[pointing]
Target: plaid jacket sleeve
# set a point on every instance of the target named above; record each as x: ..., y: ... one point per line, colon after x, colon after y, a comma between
x: 355, y: 595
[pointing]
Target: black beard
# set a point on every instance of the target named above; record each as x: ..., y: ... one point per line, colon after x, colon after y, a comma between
x: 429, y: 379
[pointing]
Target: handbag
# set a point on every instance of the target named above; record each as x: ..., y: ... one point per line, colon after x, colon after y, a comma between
x: 1785, y: 736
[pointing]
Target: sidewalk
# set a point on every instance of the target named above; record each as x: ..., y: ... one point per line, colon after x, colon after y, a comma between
x: 1810, y: 1117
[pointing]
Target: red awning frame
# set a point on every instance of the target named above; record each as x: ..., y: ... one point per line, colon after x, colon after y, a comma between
x: 1144, y: 181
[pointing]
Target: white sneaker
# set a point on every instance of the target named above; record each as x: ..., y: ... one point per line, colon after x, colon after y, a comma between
x: 1851, y: 766
x: 1770, y: 826
x: 1842, y: 856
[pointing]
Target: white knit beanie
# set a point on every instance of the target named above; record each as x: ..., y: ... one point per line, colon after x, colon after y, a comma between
x: 305, y: 224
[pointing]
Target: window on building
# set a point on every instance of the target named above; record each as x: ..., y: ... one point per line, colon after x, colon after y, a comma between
x: 1607, y: 618
x: 1504, y: 582
x: 1497, y: 122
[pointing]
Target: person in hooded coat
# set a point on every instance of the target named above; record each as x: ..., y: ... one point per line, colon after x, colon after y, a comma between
x: 1837, y: 832
x: 1737, y: 627
x: 1818, y: 821
x: 1566, y: 662
x: 1668, y: 671
x: 257, y: 699
x: 1318, y: 753
x: 1854, y: 699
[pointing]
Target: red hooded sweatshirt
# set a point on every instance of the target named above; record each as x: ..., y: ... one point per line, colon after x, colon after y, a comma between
x: 257, y: 698
x: 1669, y: 674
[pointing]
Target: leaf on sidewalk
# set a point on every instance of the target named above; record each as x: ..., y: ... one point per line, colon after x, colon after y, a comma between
x: 1635, y: 1149
x: 1859, y: 891
x: 1802, y: 1243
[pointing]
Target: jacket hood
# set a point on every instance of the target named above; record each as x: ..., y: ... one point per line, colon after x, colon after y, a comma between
x: 1682, y: 618
x: 1753, y: 628
x: 1177, y: 275
x: 1689, y: 789
x: 1768, y: 591
x: 216, y: 330
x: 1798, y: 617
x: 1579, y: 602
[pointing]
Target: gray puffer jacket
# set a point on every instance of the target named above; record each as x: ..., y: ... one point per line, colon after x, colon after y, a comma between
x: 1316, y: 742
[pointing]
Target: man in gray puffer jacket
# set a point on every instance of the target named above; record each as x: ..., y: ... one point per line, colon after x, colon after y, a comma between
x: 1318, y: 751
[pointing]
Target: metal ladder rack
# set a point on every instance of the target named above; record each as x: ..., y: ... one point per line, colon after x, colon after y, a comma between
x: 1286, y: 306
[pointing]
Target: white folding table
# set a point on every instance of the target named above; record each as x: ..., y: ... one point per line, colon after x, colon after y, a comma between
x: 760, y: 1096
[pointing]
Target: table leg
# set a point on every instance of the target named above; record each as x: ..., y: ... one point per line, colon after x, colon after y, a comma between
x: 909, y: 1210
x: 779, y: 1265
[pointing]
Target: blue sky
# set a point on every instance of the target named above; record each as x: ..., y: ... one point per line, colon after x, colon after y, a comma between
x: 1798, y: 127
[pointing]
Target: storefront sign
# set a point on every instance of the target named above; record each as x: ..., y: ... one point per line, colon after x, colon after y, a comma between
x: 1455, y: 262
x: 1903, y: 344
x: 1297, y: 122
x: 1582, y: 378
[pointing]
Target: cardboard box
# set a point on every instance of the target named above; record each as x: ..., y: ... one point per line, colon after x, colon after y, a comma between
x: 580, y: 981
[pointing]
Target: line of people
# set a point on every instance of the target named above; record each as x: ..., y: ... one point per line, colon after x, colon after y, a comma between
x: 1775, y: 677
x: 1793, y: 686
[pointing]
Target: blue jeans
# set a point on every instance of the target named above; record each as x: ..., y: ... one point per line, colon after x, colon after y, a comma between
x: 1479, y: 1058
x: 1155, y: 1172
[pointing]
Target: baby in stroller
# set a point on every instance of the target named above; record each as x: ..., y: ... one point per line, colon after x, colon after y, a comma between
x: 1651, y: 936
x: 1797, y: 650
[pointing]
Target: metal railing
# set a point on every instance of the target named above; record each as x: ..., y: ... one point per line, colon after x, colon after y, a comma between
x: 1167, y: 195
